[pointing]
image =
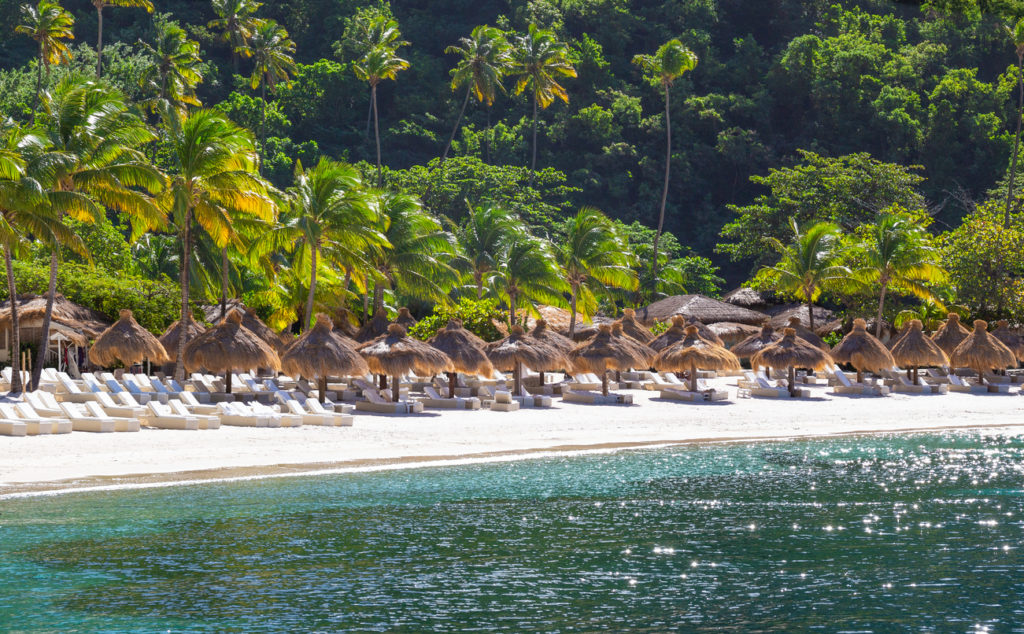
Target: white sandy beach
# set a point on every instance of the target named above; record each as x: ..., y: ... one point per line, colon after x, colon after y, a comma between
x: 76, y: 460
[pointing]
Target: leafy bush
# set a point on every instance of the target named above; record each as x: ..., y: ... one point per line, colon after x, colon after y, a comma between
x: 477, y: 316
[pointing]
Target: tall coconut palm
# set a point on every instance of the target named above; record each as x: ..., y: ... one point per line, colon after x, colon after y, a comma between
x: 668, y: 64
x: 214, y: 176
x: 809, y: 264
x: 527, y: 269
x: 481, y: 238
x: 592, y: 255
x: 175, y: 69
x: 1016, y: 33
x: 539, y: 61
x: 93, y: 160
x: 485, y: 60
x: 418, y: 260
x: 271, y: 51
x: 898, y: 255
x: 371, y: 28
x: 236, y: 19
x: 49, y: 25
x: 100, y: 6
x: 378, y: 64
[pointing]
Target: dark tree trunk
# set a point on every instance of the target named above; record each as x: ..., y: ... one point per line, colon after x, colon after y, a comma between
x: 376, y: 134
x: 458, y: 120
x: 452, y: 378
x: 16, y: 386
x: 664, y: 193
x: 99, y: 42
x: 263, y: 125
x: 572, y: 310
x: 44, y: 339
x: 39, y: 83
x: 312, y: 288
x: 224, y: 282
x: 533, y: 161
x: 186, y: 251
x: 227, y: 381
x: 322, y: 389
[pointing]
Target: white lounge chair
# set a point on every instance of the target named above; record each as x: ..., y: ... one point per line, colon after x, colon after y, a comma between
x: 497, y: 400
x: 68, y: 390
x: 10, y: 427
x: 28, y: 414
x: 121, y: 423
x: 589, y: 397
x: 189, y: 400
x: 43, y: 408
x: 119, y: 408
x: 960, y: 384
x: 433, y: 399
x: 376, y: 402
x: 81, y: 420
x: 339, y: 409
x: 288, y: 419
x: 846, y: 386
x: 160, y: 416
x: 238, y: 415
x: 206, y: 421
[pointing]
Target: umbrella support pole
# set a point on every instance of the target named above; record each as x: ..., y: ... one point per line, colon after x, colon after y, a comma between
x: 227, y: 381
x: 792, y: 380
x: 383, y: 382
x: 604, y: 383
x: 452, y: 379
x: 693, y: 377
x: 395, y: 389
x: 860, y: 376
x: 322, y: 389
x: 541, y: 376
x: 915, y: 376
x: 517, y: 379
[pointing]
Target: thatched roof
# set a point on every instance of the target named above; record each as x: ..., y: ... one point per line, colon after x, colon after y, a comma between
x: 804, y: 333
x: 641, y: 350
x: 950, y: 334
x: 543, y: 332
x: 756, y: 342
x: 729, y: 332
x: 169, y: 340
x: 395, y: 353
x: 863, y: 350
x: 915, y: 350
x: 981, y: 351
x: 405, y: 318
x: 376, y: 327
x: 344, y: 323
x: 517, y: 347
x: 65, y: 312
x: 694, y: 352
x: 605, y: 352
x: 319, y: 353
x: 250, y: 320
x: 749, y: 298
x: 230, y: 346
x: 634, y: 329
x: 1010, y: 339
x: 677, y: 332
x: 464, y: 348
x: 128, y: 342
x: 706, y: 309
x: 791, y: 351
x: 781, y: 315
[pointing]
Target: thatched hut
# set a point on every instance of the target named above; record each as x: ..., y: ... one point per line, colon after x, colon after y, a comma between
x: 321, y: 353
x: 950, y: 334
x: 542, y: 330
x: 863, y: 351
x: 250, y: 321
x: 376, y: 327
x: 518, y: 349
x: 71, y: 326
x: 790, y: 353
x: 395, y: 353
x: 126, y: 342
x: 1010, y: 339
x: 730, y: 332
x: 632, y: 328
x: 405, y: 318
x: 693, y: 353
x: 915, y: 350
x: 756, y: 343
x: 981, y: 351
x: 465, y: 350
x: 806, y: 334
x: 643, y: 351
x: 605, y: 352
x: 229, y: 346
x: 169, y: 340
x: 700, y: 307
x: 782, y: 314
x: 749, y: 298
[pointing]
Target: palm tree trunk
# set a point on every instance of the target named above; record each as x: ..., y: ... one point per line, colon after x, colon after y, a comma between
x: 511, y: 308
x: 487, y: 138
x: 186, y: 248
x: 664, y: 191
x: 44, y: 339
x: 378, y: 296
x: 881, y: 305
x: 572, y: 310
x: 99, y: 41
x: 462, y: 111
x: 348, y: 279
x: 16, y: 386
x: 533, y: 161
x: 39, y: 83
x: 810, y: 313
x: 263, y: 124
x: 224, y: 282
x: 376, y: 133
x: 369, y: 114
x: 1016, y: 138
x: 312, y: 287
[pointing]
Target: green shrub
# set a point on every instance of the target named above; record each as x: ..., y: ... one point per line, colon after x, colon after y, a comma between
x: 477, y: 316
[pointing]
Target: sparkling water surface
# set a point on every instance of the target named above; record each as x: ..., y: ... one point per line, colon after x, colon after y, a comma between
x: 884, y: 533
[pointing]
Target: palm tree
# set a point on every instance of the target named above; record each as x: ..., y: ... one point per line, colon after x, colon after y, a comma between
x: 175, y: 69
x: 49, y: 25
x: 481, y: 239
x: 485, y: 61
x: 330, y: 221
x: 100, y: 6
x: 93, y: 161
x: 668, y: 64
x: 271, y: 50
x: 1016, y: 32
x: 417, y: 261
x: 808, y: 265
x: 592, y: 255
x: 538, y: 62
x: 898, y: 255
x: 237, y: 20
x: 527, y: 269
x: 372, y: 28
x: 214, y: 177
x: 378, y: 64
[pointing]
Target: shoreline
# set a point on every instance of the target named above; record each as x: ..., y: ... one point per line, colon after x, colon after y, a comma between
x: 80, y: 462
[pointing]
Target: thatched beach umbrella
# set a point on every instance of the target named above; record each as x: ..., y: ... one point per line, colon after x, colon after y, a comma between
x: 643, y: 352
x: 863, y: 351
x: 807, y: 334
x: 342, y: 320
x: 376, y: 327
x: 320, y: 353
x: 950, y: 334
x: 692, y: 353
x: 405, y: 318
x: 396, y: 353
x: 465, y: 350
x: 633, y: 328
x: 169, y: 340
x: 915, y: 350
x: 677, y: 332
x: 605, y: 352
x: 1010, y: 339
x: 518, y: 349
x: 790, y: 353
x: 981, y: 351
x: 541, y: 330
x: 229, y: 346
x: 128, y: 342
x: 756, y: 343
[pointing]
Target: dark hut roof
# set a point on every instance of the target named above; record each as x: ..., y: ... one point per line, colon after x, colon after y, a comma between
x: 729, y: 332
x: 169, y: 340
x: 65, y: 312
x: 343, y: 323
x: 915, y: 349
x: 405, y: 318
x: 377, y: 326
x: 780, y: 315
x: 706, y: 309
x: 756, y: 342
x: 749, y: 298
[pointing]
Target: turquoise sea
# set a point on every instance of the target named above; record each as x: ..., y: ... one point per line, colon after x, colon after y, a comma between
x: 918, y: 533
